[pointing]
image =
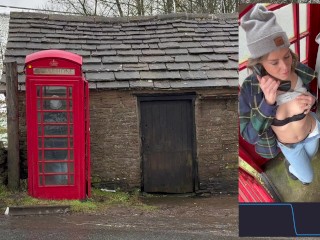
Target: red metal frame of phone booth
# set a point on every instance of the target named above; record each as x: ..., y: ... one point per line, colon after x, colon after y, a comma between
x: 58, y: 138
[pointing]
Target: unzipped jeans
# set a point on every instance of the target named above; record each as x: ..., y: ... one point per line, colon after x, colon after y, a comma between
x: 299, y: 154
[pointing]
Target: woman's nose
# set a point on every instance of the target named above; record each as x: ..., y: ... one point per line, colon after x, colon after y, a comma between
x: 284, y: 65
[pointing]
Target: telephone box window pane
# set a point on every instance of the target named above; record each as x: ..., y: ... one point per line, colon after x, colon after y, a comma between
x: 56, y: 180
x: 55, y: 104
x: 71, y: 142
x: 40, y: 168
x: 39, y: 104
x: 40, y: 180
x: 55, y: 154
x: 55, y: 117
x: 71, y: 118
x: 71, y: 131
x: 39, y: 117
x: 59, y: 91
x: 71, y: 155
x: 71, y: 167
x: 39, y: 130
x: 38, y: 91
x: 56, y: 129
x: 56, y: 142
x: 71, y: 179
x: 70, y: 105
x: 40, y: 142
x: 40, y: 155
x: 70, y: 92
x: 56, y: 167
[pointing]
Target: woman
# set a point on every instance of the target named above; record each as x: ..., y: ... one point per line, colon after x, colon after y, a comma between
x: 271, y: 118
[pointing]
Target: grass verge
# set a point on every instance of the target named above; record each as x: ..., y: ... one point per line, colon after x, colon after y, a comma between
x: 99, y: 202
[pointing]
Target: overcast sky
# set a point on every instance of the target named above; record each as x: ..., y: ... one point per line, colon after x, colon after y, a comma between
x: 21, y: 3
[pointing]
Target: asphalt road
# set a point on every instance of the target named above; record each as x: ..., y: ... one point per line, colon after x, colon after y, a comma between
x: 174, y: 219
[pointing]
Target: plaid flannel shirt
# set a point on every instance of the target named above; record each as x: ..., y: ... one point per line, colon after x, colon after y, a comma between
x: 256, y: 115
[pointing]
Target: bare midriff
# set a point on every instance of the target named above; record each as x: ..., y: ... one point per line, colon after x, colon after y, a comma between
x: 296, y: 131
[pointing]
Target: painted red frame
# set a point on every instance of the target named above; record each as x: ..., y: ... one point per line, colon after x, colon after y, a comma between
x: 50, y: 59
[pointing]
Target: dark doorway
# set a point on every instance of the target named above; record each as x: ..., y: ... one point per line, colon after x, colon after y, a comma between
x: 167, y: 133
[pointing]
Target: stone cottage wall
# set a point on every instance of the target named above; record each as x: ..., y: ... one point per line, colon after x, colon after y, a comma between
x: 217, y: 143
x: 115, y: 148
x: 115, y: 141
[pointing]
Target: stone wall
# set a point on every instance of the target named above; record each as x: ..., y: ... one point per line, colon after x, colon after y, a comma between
x: 115, y: 140
x: 115, y: 147
x: 217, y: 144
x: 3, y: 165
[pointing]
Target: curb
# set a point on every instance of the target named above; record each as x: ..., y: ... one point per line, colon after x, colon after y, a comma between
x: 36, y: 210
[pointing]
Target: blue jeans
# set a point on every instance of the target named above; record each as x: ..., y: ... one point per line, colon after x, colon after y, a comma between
x: 299, y: 155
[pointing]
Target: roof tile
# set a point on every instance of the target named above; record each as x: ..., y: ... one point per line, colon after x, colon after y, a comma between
x: 177, y: 66
x: 160, y: 75
x: 193, y: 75
x: 156, y: 59
x: 127, y: 75
x: 119, y: 59
x: 157, y: 66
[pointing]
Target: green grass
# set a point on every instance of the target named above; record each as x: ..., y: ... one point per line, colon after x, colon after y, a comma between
x: 99, y: 201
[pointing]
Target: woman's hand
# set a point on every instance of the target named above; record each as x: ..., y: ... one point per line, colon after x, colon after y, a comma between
x: 305, y: 102
x: 269, y: 88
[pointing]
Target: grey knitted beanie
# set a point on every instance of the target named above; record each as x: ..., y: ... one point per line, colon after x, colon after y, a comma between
x: 263, y: 33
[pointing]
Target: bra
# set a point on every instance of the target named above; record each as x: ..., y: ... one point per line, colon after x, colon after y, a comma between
x: 297, y: 117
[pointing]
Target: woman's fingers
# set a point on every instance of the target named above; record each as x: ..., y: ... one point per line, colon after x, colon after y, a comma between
x: 269, y: 87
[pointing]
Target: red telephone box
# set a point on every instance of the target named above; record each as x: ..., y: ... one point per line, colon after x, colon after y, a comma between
x: 58, y: 139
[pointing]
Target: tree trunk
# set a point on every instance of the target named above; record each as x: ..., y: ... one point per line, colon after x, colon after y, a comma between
x: 119, y: 8
x: 12, y: 126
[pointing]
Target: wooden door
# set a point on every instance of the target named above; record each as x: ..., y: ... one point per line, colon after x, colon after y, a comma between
x: 167, y: 129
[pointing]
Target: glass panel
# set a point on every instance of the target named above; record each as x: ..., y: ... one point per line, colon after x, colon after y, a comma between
x: 71, y: 142
x: 55, y: 154
x: 70, y: 105
x: 56, y: 142
x: 56, y: 167
x: 302, y: 17
x: 40, y: 155
x: 40, y: 142
x: 56, y: 180
x: 40, y: 180
x: 39, y: 117
x: 71, y: 130
x: 56, y: 129
x: 71, y: 117
x: 71, y: 167
x: 59, y: 91
x: 38, y: 91
x: 40, y: 168
x: 54, y: 104
x: 39, y: 130
x: 243, y: 74
x: 303, y: 49
x: 39, y: 104
x: 70, y: 92
x: 71, y: 155
x: 292, y: 47
x: 285, y: 19
x: 55, y: 117
x: 71, y: 179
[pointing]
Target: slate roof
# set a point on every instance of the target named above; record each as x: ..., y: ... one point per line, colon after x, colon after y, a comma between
x: 159, y: 52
